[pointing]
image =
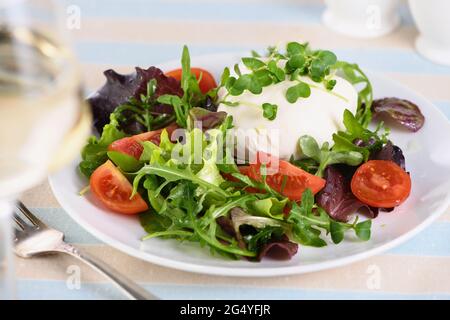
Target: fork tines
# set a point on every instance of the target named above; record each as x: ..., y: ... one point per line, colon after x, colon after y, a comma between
x: 27, y: 213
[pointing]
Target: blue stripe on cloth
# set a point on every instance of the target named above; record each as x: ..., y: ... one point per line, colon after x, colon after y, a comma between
x: 59, y: 219
x: 50, y: 289
x: 201, y: 11
x: 433, y: 241
x: 217, y: 10
x: 142, y: 54
x: 444, y: 106
x: 430, y: 242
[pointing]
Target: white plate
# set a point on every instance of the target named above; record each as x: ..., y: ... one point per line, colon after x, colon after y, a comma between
x: 427, y: 155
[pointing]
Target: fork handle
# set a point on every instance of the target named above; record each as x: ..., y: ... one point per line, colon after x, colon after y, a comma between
x: 129, y: 287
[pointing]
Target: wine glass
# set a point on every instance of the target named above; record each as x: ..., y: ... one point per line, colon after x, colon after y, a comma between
x: 43, y: 117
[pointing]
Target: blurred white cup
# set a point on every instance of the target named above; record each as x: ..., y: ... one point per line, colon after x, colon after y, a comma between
x: 362, y: 18
x: 7, y: 290
x: 432, y: 20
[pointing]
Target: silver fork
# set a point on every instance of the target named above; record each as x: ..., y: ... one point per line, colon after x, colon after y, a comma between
x: 34, y: 238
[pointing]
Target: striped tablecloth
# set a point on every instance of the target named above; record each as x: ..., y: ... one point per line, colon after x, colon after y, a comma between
x: 121, y: 34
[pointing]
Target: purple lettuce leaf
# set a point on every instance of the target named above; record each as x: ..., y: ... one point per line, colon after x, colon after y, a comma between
x: 120, y: 88
x: 279, y: 249
x: 337, y: 198
x: 207, y: 119
x: 390, y: 152
x: 227, y: 225
x: 403, y: 112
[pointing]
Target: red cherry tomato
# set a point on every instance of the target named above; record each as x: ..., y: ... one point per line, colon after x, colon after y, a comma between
x: 132, y: 145
x: 381, y: 183
x: 288, y: 180
x: 207, y: 81
x: 113, y: 189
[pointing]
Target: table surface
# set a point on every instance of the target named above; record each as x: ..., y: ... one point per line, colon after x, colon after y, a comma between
x: 122, y: 34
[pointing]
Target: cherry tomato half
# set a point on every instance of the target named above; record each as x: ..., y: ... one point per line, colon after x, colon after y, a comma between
x: 381, y: 183
x: 132, y: 145
x: 206, y: 83
x: 113, y: 189
x: 288, y: 179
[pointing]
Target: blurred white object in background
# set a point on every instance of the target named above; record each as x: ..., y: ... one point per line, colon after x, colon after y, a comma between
x: 362, y: 18
x: 7, y: 290
x: 432, y: 20
x: 44, y: 120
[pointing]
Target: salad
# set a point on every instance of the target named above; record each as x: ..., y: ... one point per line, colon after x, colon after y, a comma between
x: 277, y: 153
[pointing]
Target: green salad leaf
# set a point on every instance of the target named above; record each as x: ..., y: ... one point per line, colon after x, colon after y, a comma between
x: 141, y: 110
x: 270, y: 111
x: 308, y: 220
x: 269, y: 207
x: 192, y: 95
x: 94, y: 153
x: 324, y: 156
x: 125, y: 162
x: 345, y: 141
x: 183, y: 181
x: 353, y: 73
x: 256, y: 241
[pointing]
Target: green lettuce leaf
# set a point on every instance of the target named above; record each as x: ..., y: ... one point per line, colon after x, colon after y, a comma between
x: 94, y: 153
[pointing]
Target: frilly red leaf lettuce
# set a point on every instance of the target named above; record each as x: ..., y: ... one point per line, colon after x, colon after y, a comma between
x: 227, y: 225
x: 280, y: 249
x: 401, y: 111
x: 337, y: 198
x: 390, y: 152
x: 208, y: 119
x: 120, y: 88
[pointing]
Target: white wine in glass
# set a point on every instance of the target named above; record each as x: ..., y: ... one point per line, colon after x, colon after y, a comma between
x: 43, y: 117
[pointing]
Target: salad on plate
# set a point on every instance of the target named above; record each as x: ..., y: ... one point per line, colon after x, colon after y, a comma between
x: 286, y: 149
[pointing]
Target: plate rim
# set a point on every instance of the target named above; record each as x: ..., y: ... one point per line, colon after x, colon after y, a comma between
x: 264, y: 271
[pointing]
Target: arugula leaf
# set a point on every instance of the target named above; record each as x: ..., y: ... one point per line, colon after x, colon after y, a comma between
x: 202, y: 172
x: 305, y: 223
x: 179, y: 219
x: 215, y: 212
x: 173, y: 174
x: 325, y: 157
x: 256, y: 241
x: 308, y: 220
x: 192, y: 95
x: 353, y: 73
x: 345, y: 141
x: 308, y: 164
x: 94, y: 154
x: 257, y: 185
x: 140, y: 111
